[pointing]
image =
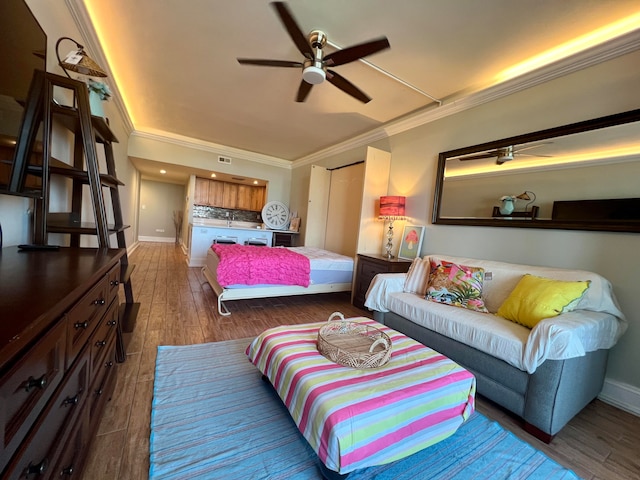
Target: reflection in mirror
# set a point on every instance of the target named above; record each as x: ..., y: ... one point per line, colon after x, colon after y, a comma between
x: 581, y: 176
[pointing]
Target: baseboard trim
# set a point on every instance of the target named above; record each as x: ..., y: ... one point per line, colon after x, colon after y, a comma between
x: 621, y: 395
x: 156, y: 239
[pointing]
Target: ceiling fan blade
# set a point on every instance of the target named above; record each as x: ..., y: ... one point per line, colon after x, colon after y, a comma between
x: 347, y: 87
x: 356, y: 52
x: 303, y: 91
x: 269, y: 63
x: 293, y: 29
x: 479, y: 156
x: 531, y: 146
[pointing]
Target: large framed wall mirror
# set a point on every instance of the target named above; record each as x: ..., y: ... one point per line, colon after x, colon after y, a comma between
x: 582, y: 176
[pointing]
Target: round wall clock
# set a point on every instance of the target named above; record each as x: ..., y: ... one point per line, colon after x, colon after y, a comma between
x: 275, y: 215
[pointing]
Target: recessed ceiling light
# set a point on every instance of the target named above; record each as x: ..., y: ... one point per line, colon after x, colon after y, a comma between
x: 213, y: 175
x: 255, y: 182
x: 163, y: 172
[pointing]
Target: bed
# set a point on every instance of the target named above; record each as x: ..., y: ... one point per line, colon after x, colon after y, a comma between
x: 329, y: 272
x: 354, y: 418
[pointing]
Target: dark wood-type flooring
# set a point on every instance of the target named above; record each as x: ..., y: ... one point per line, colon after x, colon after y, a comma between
x: 179, y: 308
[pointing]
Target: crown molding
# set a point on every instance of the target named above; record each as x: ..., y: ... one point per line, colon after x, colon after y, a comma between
x: 90, y: 39
x: 224, y: 150
x: 610, y: 50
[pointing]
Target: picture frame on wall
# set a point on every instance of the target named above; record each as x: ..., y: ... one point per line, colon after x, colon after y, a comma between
x: 412, y: 236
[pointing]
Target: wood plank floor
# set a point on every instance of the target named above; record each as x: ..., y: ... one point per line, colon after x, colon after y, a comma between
x: 179, y: 308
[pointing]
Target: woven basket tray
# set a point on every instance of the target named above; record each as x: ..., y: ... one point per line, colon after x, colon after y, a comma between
x: 352, y: 344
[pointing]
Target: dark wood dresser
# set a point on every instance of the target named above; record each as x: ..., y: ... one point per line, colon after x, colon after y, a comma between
x: 368, y: 267
x: 58, y: 324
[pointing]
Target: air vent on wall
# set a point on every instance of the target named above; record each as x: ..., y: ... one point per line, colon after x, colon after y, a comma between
x: 222, y: 159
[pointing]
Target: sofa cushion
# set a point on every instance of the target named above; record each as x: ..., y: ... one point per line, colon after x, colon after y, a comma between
x: 456, y: 285
x: 417, y: 277
x: 536, y: 298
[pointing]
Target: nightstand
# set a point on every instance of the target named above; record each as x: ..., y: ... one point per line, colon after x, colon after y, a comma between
x: 368, y: 267
x: 284, y: 239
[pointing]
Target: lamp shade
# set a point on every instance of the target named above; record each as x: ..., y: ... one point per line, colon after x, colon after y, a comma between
x: 392, y: 207
x: 78, y: 61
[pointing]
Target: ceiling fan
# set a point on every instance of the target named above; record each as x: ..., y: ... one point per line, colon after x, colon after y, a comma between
x: 505, y: 154
x: 315, y: 64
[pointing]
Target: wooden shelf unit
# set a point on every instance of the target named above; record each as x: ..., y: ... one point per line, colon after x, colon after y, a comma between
x: 89, y: 132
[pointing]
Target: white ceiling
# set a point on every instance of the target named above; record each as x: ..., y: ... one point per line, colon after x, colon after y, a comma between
x: 176, y: 70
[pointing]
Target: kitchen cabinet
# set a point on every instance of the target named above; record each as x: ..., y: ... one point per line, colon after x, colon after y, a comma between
x: 201, y: 194
x: 244, y: 197
x: 230, y: 195
x: 217, y: 193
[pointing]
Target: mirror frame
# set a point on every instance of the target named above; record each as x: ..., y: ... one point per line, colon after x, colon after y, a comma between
x: 579, y: 127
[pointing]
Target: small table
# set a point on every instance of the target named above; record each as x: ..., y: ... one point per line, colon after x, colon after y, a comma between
x: 354, y: 418
x: 368, y: 267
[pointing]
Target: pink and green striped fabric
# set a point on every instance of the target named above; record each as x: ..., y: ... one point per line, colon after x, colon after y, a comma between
x: 362, y: 418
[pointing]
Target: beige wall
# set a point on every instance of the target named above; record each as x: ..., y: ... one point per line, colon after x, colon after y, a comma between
x: 57, y: 22
x: 279, y: 177
x: 601, y: 90
x: 158, y: 201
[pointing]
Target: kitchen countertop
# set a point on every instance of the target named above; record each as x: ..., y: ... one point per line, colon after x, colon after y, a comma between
x: 237, y: 225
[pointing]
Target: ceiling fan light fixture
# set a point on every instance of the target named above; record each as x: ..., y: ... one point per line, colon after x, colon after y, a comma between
x: 504, y: 155
x: 313, y: 75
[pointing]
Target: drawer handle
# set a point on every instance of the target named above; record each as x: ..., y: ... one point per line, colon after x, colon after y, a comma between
x: 115, y: 283
x: 81, y: 325
x: 101, y: 343
x: 99, y: 301
x: 36, y: 383
x: 112, y: 323
x: 99, y: 391
x: 67, y: 471
x: 71, y: 400
x: 108, y: 364
x: 38, y: 468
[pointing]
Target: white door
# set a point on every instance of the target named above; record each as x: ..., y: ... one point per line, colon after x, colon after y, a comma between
x: 316, y: 223
x: 343, y: 219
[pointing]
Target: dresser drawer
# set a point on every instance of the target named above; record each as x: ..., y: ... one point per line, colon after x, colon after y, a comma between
x: 73, y: 456
x: 113, y: 280
x: 84, y: 316
x: 103, y: 381
x: 45, y: 442
x: 101, y: 343
x: 25, y: 389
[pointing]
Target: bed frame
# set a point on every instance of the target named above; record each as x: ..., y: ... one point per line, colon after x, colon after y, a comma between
x: 224, y: 294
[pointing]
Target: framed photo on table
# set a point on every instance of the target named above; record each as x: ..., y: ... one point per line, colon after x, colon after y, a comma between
x: 411, y: 244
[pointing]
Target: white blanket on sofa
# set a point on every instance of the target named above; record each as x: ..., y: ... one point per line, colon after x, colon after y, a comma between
x: 596, y: 324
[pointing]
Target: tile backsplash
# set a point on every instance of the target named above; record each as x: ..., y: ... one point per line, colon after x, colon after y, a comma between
x: 217, y: 213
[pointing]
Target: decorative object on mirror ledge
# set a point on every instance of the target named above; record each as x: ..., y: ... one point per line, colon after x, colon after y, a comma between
x: 391, y: 209
x: 411, y: 244
x: 507, y: 205
x: 527, y: 195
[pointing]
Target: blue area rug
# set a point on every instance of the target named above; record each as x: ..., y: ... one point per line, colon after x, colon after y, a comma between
x: 214, y: 417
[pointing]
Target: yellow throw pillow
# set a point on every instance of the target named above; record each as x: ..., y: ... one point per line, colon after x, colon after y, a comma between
x: 537, y: 298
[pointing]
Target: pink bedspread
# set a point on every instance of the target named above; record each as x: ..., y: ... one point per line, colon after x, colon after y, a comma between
x: 250, y: 265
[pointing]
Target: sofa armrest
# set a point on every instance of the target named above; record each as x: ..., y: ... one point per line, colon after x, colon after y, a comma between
x: 381, y: 285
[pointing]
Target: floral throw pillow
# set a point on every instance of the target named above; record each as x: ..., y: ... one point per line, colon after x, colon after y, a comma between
x: 456, y: 285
